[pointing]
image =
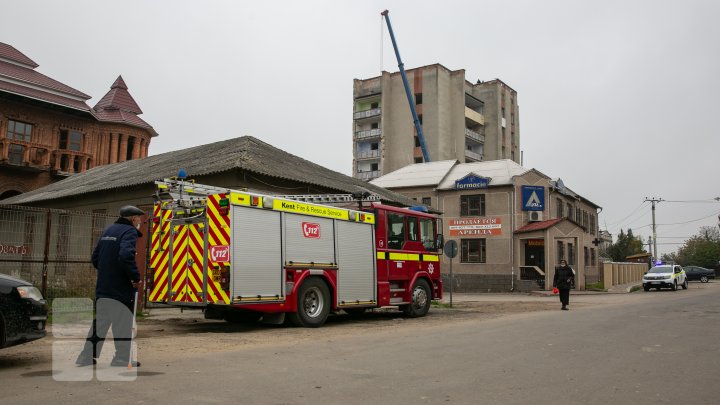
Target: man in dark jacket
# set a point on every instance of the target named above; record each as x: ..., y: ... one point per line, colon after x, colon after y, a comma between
x: 117, y: 280
x: 564, y: 280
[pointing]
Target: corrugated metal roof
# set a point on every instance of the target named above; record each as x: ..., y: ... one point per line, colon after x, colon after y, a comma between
x: 416, y: 175
x: 245, y: 153
x: 500, y: 171
x: 443, y: 174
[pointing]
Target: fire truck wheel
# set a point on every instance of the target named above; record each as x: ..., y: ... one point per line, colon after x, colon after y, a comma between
x: 420, y: 304
x: 313, y: 304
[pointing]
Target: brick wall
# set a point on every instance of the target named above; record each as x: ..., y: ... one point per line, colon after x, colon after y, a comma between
x: 45, y: 156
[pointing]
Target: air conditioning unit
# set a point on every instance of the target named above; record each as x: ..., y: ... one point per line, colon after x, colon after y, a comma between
x: 536, y: 216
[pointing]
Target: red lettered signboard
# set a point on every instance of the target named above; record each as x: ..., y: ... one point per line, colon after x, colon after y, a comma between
x: 220, y: 253
x: 311, y: 230
x: 475, y: 226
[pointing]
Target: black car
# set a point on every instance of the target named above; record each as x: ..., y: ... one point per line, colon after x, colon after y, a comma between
x: 695, y: 273
x: 23, y: 312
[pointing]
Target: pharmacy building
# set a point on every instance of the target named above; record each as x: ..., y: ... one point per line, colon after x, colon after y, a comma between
x: 512, y: 225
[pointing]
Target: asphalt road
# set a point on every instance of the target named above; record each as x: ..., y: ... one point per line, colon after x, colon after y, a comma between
x: 639, y: 348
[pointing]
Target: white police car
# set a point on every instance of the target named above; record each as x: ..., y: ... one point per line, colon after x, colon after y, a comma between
x: 665, y: 276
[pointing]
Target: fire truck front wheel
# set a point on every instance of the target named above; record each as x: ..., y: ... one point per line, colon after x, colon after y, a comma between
x: 420, y: 304
x: 313, y: 304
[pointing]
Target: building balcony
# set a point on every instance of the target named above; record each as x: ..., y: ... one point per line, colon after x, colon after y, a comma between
x: 473, y: 156
x: 368, y: 134
x: 474, y: 116
x: 371, y: 113
x: 368, y: 175
x: 469, y: 133
x: 367, y: 154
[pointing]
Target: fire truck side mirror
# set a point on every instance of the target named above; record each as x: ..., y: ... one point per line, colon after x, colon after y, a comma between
x: 439, y: 242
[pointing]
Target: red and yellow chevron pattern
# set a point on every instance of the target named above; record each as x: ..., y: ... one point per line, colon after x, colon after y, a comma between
x: 219, y: 234
x: 188, y: 256
x: 159, y: 253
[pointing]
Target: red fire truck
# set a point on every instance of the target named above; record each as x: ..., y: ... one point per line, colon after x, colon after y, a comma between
x: 241, y: 255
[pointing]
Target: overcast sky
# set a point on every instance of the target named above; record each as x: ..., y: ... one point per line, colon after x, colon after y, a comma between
x: 617, y: 98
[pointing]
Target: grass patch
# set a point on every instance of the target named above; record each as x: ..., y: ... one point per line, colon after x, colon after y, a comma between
x: 438, y: 304
x: 595, y: 286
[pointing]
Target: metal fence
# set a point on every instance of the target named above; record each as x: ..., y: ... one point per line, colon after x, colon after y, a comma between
x: 51, y: 248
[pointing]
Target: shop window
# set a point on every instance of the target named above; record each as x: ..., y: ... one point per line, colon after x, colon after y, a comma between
x: 472, y: 205
x: 396, y: 231
x: 472, y: 251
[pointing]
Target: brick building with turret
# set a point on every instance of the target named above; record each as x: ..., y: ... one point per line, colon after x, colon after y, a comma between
x: 48, y: 132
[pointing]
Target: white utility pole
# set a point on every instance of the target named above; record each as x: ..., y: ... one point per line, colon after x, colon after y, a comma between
x: 654, y: 233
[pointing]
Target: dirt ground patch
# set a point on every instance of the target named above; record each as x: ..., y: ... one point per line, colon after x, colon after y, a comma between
x: 167, y: 333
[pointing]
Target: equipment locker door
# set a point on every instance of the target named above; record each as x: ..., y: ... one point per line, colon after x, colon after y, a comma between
x: 186, y: 274
x: 257, y: 270
x: 159, y: 255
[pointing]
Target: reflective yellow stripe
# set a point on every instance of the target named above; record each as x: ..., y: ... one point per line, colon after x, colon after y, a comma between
x: 273, y: 298
x: 412, y: 256
x: 398, y: 256
x: 381, y: 255
x: 430, y: 258
x: 356, y: 303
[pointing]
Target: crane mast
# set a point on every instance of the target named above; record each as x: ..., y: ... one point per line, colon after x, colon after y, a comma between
x: 401, y: 65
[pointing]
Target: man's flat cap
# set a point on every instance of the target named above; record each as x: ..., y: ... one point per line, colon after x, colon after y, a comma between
x: 129, y: 210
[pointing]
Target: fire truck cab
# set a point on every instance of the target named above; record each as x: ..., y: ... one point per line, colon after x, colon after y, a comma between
x: 241, y: 256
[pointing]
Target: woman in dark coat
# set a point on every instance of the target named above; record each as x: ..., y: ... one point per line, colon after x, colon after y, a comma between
x: 564, y: 280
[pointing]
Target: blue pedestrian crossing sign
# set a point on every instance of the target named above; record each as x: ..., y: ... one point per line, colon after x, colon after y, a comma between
x: 533, y: 198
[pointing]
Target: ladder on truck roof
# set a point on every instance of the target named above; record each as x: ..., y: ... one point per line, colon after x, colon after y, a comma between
x: 189, y: 189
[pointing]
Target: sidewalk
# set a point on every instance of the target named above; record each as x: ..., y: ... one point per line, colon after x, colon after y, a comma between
x: 175, y: 313
x: 532, y: 296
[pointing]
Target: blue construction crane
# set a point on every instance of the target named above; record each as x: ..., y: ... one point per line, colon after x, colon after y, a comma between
x: 416, y: 120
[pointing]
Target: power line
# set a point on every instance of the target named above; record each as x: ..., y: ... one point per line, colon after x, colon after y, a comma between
x: 628, y: 216
x: 711, y: 200
x: 693, y: 220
